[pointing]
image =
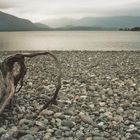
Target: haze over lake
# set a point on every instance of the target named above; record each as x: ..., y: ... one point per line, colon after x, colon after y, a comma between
x: 70, y: 40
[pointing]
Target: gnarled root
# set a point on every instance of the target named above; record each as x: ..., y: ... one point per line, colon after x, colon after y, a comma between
x: 12, y: 72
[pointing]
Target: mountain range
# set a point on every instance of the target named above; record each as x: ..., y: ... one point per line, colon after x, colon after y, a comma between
x: 103, y: 22
x: 12, y: 23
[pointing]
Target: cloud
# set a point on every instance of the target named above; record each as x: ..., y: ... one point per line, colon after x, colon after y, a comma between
x: 36, y: 10
x: 5, y: 5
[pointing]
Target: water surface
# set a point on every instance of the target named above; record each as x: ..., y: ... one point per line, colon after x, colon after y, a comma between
x: 70, y: 40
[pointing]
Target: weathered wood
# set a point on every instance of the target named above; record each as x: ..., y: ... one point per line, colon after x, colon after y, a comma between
x: 12, y: 72
x: 7, y: 90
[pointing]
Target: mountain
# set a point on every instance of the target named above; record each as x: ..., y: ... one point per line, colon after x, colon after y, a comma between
x: 81, y: 28
x: 42, y: 26
x: 11, y: 23
x: 62, y: 22
x: 135, y: 29
x: 104, y: 22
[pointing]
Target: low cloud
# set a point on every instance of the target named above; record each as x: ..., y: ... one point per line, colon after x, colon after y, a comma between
x: 43, y: 9
x: 5, y: 6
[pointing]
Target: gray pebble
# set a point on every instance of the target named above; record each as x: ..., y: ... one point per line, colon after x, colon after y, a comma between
x: 99, y: 138
x: 6, y: 137
x: 138, y: 124
x: 67, y: 123
x: 27, y: 137
x: 2, y: 131
x: 58, y: 133
x: 85, y: 118
x: 80, y: 135
x: 47, y: 136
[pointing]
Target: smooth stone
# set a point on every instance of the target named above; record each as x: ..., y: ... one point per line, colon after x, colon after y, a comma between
x: 67, y: 134
x: 85, y: 118
x: 30, y: 84
x: 2, y: 131
x: 91, y: 105
x: 134, y: 137
x: 120, y: 110
x: 106, y: 134
x: 131, y: 129
x: 57, y: 115
x: 127, y: 135
x: 41, y: 125
x: 102, y: 104
x: 34, y: 130
x: 65, y: 82
x: 138, y: 124
x: 101, y: 124
x: 26, y: 121
x: 127, y: 122
x: 110, y: 92
x: 37, y: 139
x: 99, y: 138
x: 47, y: 136
x: 68, y: 112
x: 88, y: 138
x: 118, y: 118
x: 50, y: 130
x: 131, y: 126
x: 91, y: 88
x: 64, y: 128
x: 13, y: 131
x: 79, y: 134
x: 6, y: 137
x: 58, y: 133
x: 58, y: 122
x: 47, y: 112
x: 108, y: 114
x: 102, y: 110
x: 67, y: 123
x: 115, y: 138
x: 27, y: 137
x: 45, y: 122
x: 130, y: 82
x: 83, y: 97
x: 25, y: 127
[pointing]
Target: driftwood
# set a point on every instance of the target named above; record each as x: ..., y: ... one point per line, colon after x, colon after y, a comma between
x: 12, y: 72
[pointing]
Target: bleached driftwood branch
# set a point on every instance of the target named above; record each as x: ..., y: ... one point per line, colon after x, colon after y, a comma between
x: 12, y: 72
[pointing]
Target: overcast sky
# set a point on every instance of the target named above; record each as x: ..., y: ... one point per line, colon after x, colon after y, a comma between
x: 37, y: 10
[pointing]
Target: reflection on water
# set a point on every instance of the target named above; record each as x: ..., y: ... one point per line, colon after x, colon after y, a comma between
x: 70, y: 40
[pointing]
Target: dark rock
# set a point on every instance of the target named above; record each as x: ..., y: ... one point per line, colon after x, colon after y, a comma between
x: 67, y: 123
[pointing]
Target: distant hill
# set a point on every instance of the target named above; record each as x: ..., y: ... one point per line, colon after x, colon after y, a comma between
x: 12, y: 23
x: 81, y: 28
x: 103, y: 22
x: 42, y: 26
x: 135, y: 29
x: 60, y: 22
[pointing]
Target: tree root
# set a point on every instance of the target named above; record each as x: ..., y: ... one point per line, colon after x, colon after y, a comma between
x: 12, y: 72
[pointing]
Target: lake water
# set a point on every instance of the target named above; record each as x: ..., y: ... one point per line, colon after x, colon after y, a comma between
x: 70, y: 40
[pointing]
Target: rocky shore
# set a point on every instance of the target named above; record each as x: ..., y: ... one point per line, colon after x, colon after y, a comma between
x: 99, y: 98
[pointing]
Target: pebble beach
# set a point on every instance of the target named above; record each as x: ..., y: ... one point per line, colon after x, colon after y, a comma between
x: 99, y: 98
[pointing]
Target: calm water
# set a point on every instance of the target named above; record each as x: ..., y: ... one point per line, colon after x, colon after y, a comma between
x: 72, y: 40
